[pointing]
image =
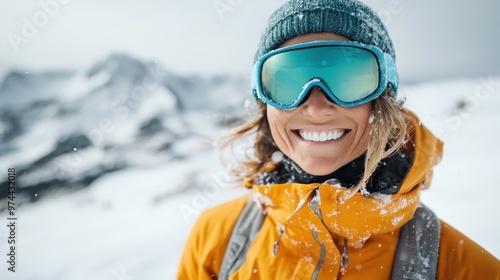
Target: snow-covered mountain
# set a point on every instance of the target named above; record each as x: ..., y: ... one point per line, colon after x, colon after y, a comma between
x: 63, y: 130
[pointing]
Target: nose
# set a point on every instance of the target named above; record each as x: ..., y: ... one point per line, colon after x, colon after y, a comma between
x: 318, y: 104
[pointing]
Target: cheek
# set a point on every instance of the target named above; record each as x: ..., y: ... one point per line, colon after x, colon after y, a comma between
x: 361, y: 116
x: 277, y: 117
x: 278, y: 120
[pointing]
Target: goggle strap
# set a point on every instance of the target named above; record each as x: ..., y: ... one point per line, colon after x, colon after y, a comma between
x: 392, y: 75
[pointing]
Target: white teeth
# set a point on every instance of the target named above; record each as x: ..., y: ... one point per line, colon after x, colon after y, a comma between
x: 321, y: 136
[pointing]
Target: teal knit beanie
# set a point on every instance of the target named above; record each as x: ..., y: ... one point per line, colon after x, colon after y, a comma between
x: 349, y: 18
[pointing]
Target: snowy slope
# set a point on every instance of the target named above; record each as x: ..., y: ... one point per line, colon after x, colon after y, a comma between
x: 131, y: 222
x: 64, y: 130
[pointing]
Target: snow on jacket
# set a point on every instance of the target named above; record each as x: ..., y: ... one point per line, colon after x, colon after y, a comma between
x: 369, y: 224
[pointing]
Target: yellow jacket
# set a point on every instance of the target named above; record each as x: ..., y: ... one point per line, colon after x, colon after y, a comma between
x: 369, y: 224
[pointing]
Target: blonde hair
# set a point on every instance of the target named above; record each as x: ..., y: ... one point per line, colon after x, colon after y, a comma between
x: 389, y: 128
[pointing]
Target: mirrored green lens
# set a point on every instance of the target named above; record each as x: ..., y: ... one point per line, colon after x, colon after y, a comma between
x: 350, y: 73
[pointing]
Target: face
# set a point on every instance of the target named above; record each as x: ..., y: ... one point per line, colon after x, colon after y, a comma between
x: 319, y: 135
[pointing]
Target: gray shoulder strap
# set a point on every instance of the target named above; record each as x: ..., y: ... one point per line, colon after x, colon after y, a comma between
x: 246, y: 228
x: 418, y: 247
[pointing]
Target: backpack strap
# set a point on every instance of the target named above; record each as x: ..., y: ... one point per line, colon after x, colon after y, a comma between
x: 246, y: 228
x: 418, y: 247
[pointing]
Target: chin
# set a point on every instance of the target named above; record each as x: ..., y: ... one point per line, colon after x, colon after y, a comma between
x: 320, y: 167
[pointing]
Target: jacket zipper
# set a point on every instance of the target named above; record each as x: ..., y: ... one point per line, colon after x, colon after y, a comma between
x: 313, y: 204
x: 344, y: 259
x: 321, y: 258
x: 276, y: 244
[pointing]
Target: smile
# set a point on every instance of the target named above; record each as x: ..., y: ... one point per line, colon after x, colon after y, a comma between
x: 321, y: 136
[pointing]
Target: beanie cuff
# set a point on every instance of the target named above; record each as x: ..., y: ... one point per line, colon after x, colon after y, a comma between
x: 350, y: 19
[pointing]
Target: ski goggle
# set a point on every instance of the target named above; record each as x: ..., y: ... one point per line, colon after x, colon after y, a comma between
x: 349, y: 73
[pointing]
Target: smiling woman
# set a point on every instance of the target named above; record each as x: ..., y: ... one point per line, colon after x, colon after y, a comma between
x: 338, y: 165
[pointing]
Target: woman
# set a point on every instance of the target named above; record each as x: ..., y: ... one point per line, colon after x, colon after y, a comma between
x: 338, y: 165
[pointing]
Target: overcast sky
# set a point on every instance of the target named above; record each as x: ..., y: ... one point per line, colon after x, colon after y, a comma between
x: 434, y: 39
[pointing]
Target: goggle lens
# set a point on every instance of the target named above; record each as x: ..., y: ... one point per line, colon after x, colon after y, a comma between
x: 350, y: 73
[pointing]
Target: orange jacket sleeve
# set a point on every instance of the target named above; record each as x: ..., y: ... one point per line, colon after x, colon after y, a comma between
x: 208, y: 240
x: 461, y: 258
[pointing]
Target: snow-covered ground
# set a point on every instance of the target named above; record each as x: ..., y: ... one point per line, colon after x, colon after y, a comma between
x: 132, y: 223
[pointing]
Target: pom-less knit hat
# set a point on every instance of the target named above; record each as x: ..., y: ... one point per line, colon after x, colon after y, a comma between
x: 349, y: 18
